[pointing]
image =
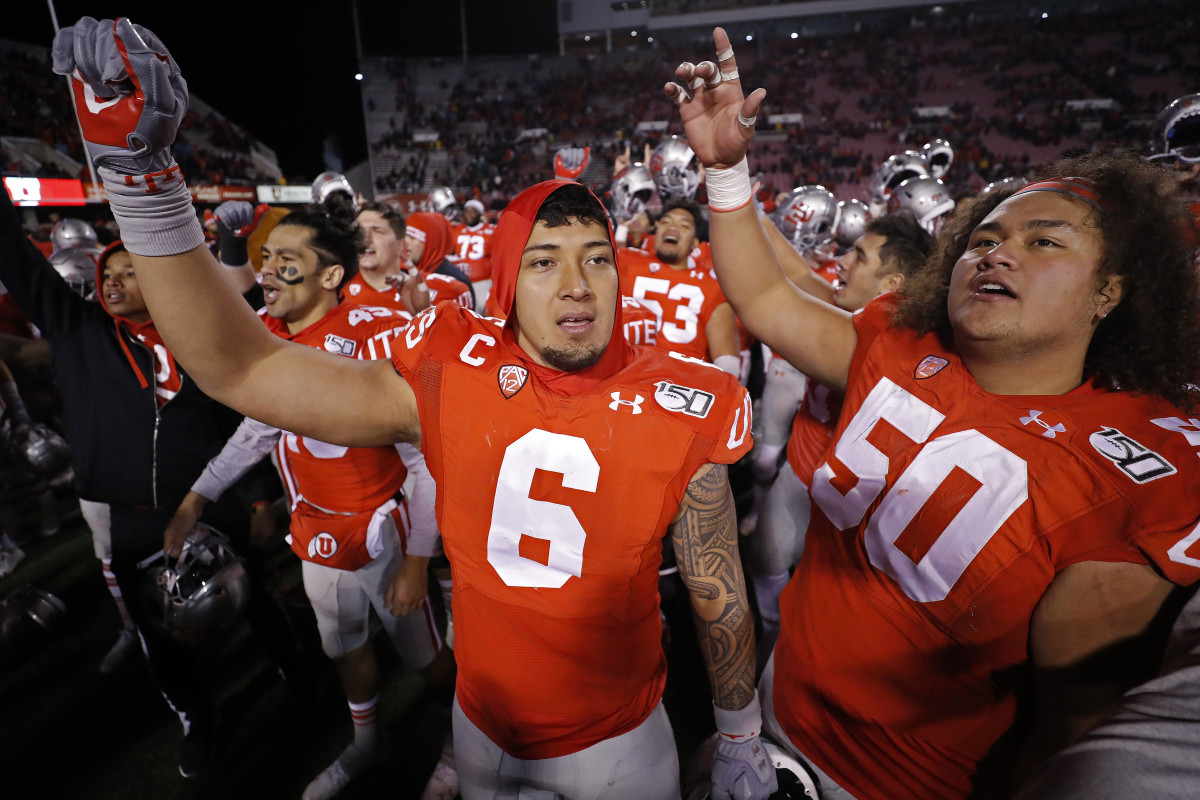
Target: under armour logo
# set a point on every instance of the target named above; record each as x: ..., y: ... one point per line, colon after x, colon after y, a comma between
x: 1050, y: 430
x: 635, y: 404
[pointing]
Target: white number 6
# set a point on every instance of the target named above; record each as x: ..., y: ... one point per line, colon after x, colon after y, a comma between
x: 516, y: 514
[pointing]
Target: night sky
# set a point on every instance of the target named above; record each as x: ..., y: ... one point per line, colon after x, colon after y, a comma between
x: 288, y: 76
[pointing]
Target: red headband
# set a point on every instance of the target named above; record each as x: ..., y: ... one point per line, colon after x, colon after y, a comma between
x: 1079, y: 188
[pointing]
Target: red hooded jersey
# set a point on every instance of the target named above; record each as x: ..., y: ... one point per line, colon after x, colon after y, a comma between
x: 940, y: 517
x: 434, y: 230
x: 573, y: 478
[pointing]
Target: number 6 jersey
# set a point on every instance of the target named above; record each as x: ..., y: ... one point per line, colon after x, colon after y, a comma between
x: 552, y: 505
x: 944, y: 514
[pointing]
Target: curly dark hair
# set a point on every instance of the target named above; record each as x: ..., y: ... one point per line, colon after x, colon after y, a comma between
x: 1148, y: 344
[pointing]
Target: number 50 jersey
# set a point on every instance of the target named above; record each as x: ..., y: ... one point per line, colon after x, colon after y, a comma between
x: 945, y: 513
x: 552, y: 506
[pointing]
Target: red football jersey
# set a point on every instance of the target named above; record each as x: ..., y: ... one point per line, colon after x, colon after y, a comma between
x: 940, y: 516
x: 553, y: 505
x: 335, y: 490
x: 473, y: 248
x: 443, y: 287
x: 682, y: 299
x: 640, y: 322
x: 812, y: 429
x: 359, y: 292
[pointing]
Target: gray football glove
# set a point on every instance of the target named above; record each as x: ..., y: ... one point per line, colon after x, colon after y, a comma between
x: 129, y: 95
x: 742, y: 770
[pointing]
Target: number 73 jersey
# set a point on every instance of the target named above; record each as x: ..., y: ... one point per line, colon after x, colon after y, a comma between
x: 945, y: 513
x: 552, y: 502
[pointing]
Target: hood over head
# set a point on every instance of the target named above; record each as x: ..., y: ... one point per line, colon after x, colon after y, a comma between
x: 434, y: 229
x: 512, y: 232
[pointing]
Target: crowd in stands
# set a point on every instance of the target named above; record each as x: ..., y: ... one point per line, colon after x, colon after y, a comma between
x: 1000, y: 91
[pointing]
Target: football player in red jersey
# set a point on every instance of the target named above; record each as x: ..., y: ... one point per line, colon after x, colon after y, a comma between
x: 473, y: 248
x: 1012, y: 488
x: 429, y: 246
x: 381, y: 268
x: 694, y: 319
x: 562, y: 456
x: 348, y: 525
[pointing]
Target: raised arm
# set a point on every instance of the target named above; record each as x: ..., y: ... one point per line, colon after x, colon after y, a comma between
x: 207, y: 326
x: 704, y: 534
x: 816, y: 338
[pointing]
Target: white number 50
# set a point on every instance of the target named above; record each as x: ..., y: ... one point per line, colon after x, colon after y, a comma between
x: 1003, y: 479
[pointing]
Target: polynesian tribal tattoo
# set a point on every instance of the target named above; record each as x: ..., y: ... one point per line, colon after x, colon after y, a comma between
x: 704, y: 535
x: 290, y: 275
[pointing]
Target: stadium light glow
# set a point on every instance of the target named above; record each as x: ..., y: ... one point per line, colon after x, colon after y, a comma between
x: 358, y: 76
x: 650, y: 39
x: 749, y: 37
x: 633, y: 33
x: 795, y: 35
x: 1044, y: 15
x: 587, y: 38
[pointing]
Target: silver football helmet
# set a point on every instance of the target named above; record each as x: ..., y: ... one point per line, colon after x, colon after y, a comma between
x: 77, y: 266
x: 895, y: 170
x: 328, y: 183
x: 939, y: 155
x: 443, y: 201
x: 675, y: 171
x: 926, y: 197
x: 43, y: 607
x: 1177, y: 130
x: 41, y: 449
x: 631, y: 191
x: 204, y: 592
x: 809, y: 218
x: 71, y: 232
x: 853, y: 216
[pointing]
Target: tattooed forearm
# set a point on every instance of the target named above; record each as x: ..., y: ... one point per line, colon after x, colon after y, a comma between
x: 704, y: 535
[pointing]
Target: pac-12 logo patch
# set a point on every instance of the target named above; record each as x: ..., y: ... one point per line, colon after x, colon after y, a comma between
x: 511, y: 379
x: 336, y: 344
x: 323, y: 545
x: 1137, y: 461
x: 929, y: 366
x: 684, y: 399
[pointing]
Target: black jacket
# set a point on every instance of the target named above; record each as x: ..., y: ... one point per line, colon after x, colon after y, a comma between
x: 126, y: 450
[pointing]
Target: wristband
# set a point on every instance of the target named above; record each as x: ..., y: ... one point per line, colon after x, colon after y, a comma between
x: 742, y: 724
x: 232, y: 248
x: 728, y: 189
x: 729, y: 363
x: 154, y: 211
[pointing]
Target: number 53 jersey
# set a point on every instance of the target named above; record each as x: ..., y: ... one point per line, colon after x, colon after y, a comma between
x: 945, y: 513
x: 552, y: 505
